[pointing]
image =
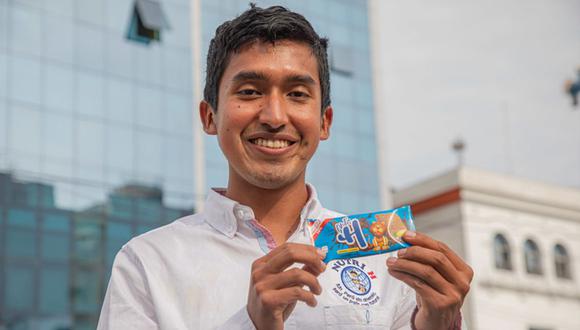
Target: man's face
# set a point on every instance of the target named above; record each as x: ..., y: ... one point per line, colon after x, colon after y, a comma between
x: 268, y: 120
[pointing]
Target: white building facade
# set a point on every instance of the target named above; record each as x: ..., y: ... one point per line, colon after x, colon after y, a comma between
x: 522, y: 239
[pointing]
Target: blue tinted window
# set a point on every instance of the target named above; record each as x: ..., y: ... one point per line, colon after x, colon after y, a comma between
x: 90, y: 11
x: 25, y: 128
x: 3, y: 80
x: 120, y: 147
x: 58, y: 138
x: 25, y: 30
x: 171, y: 215
x: 342, y: 88
x: 64, y: 8
x: 340, y: 12
x: 20, y: 243
x: 359, y: 18
x: 144, y: 228
x: 366, y: 122
x: 116, y: 230
x: 117, y: 235
x: 46, y: 195
x: 59, y: 37
x: 119, y: 56
x: 147, y: 66
x: 21, y: 218
x: 149, y: 153
x: 90, y: 94
x: 54, y: 291
x: 178, y: 158
x: 179, y: 34
x: 86, y: 293
x: 177, y: 67
x: 149, y: 110
x: 90, y: 142
x: 23, y: 194
x: 369, y: 202
x: 120, y: 101
x: 113, y: 246
x: 213, y: 153
x: 117, y: 13
x: 1, y: 229
x: 59, y: 82
x: 367, y: 149
x: 19, y: 290
x: 149, y: 210
x: 178, y: 113
x: 346, y: 144
x: 88, y: 236
x: 57, y: 222
x: 363, y: 94
x: 3, y: 28
x: 55, y: 247
x: 25, y: 80
x: 90, y: 42
x: 121, y: 207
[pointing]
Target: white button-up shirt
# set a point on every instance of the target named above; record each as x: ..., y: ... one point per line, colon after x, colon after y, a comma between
x: 195, y: 273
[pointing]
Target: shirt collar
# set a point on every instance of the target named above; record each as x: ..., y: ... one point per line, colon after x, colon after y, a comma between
x: 223, y: 214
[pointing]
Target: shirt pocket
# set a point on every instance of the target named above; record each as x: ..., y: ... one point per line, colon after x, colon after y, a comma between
x: 357, y: 317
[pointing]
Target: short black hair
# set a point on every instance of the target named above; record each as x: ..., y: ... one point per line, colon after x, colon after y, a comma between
x: 266, y: 25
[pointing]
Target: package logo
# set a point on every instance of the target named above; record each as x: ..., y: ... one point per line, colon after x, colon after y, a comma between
x: 355, y: 282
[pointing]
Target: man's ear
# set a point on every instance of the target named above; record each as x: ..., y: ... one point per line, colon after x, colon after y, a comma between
x: 326, y: 123
x: 207, y: 117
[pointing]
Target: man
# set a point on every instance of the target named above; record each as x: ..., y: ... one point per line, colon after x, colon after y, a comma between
x: 247, y: 261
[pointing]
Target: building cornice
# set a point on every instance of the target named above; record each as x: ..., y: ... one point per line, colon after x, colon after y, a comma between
x: 479, y: 186
x: 527, y: 288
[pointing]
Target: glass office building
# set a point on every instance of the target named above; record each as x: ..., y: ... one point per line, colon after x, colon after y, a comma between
x: 97, y: 142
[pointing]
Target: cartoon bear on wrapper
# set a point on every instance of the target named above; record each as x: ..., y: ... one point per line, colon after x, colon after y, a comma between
x: 379, y: 231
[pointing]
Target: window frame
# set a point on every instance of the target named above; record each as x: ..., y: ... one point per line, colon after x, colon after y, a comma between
x: 532, y: 250
x: 562, y: 262
x: 502, y: 252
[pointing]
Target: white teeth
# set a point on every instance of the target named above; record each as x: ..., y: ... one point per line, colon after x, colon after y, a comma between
x: 274, y: 144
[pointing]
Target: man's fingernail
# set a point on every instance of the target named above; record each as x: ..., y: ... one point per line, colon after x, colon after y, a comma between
x: 323, y: 266
x: 391, y: 261
x: 402, y: 252
x: 410, y: 234
x: 322, y: 252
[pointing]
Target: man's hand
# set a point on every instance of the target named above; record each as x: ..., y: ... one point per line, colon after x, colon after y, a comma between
x: 275, y: 289
x: 440, y: 278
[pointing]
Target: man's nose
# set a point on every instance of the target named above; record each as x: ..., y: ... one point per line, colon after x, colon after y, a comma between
x: 274, y: 112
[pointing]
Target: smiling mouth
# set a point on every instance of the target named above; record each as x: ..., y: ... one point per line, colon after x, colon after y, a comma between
x: 271, y: 143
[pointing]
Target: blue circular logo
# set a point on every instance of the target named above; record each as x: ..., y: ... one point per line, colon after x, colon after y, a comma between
x: 355, y: 280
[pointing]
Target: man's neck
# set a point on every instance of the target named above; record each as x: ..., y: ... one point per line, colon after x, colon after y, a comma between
x: 276, y: 209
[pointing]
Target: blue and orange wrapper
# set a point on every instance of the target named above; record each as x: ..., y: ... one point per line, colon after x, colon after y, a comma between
x: 364, y: 234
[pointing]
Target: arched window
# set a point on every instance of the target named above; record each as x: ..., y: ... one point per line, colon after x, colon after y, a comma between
x: 533, y: 258
x: 502, y: 253
x: 562, y: 262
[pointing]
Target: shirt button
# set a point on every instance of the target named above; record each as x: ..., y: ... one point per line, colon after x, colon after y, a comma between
x: 239, y: 214
x: 246, y: 215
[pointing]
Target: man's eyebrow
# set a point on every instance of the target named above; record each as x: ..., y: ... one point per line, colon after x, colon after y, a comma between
x: 259, y: 76
x: 303, y: 79
x: 249, y: 76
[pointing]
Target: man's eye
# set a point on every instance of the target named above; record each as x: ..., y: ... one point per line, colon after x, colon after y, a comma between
x: 298, y: 94
x: 248, y: 92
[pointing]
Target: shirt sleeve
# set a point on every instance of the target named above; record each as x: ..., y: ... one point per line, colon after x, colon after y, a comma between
x: 239, y: 321
x: 127, y: 303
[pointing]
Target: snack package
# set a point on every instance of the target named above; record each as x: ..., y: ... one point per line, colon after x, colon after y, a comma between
x: 363, y: 234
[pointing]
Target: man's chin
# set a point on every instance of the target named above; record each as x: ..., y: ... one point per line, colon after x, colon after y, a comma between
x: 272, y: 180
